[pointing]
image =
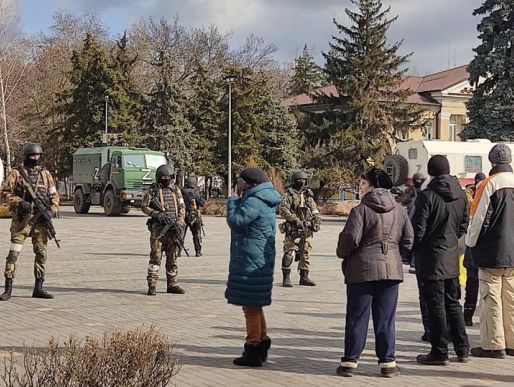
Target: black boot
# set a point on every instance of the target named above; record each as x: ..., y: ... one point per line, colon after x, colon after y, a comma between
x: 468, y: 315
x: 198, y: 253
x: 304, y: 278
x: 8, y: 290
x: 39, y: 292
x: 151, y: 290
x: 286, y: 281
x: 175, y: 289
x: 265, y: 346
x: 252, y: 356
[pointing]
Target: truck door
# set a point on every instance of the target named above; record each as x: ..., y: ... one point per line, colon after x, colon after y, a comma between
x: 117, y: 171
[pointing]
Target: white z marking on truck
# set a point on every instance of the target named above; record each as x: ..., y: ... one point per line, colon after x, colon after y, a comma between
x: 147, y: 175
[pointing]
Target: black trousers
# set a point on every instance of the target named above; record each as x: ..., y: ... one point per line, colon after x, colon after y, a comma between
x: 445, y: 317
x: 381, y: 298
x: 423, y: 307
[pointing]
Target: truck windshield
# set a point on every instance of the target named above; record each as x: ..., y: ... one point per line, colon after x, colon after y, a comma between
x: 155, y: 161
x: 143, y: 161
x: 133, y: 161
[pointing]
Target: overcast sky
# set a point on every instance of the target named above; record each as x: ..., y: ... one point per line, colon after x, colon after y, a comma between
x: 438, y: 32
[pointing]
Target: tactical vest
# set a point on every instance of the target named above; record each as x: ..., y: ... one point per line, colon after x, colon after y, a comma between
x: 169, y: 201
x: 189, y: 199
x: 299, y: 199
x: 37, y: 179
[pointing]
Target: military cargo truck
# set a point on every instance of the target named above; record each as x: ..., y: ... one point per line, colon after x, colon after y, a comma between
x: 114, y: 177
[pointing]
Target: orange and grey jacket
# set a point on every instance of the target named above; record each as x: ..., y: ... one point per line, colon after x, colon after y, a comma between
x: 491, y: 230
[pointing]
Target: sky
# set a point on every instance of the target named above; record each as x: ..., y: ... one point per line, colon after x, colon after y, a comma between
x: 439, y: 33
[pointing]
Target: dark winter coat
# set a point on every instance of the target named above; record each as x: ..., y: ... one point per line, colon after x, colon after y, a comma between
x: 252, y: 222
x: 371, y: 240
x: 491, y: 232
x: 440, y: 217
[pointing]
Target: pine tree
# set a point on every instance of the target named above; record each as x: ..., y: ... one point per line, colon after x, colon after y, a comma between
x: 125, y: 99
x: 206, y: 118
x: 264, y: 133
x: 359, y: 128
x: 307, y: 75
x: 94, y: 76
x: 490, y: 109
x: 165, y: 121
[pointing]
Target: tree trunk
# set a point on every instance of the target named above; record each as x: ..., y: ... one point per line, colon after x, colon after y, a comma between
x: 3, y: 114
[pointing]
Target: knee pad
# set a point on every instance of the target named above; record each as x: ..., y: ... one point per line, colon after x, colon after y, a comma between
x: 287, y: 260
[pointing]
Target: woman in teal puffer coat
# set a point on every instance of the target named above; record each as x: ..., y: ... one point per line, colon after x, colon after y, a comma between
x: 252, y: 221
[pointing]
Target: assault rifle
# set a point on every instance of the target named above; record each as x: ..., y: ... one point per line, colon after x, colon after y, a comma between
x: 305, y: 231
x: 44, y: 210
x: 170, y: 225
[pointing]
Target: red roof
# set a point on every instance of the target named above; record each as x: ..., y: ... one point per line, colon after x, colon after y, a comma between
x: 421, y: 86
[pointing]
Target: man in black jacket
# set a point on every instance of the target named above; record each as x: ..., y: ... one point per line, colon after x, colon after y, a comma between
x: 440, y: 218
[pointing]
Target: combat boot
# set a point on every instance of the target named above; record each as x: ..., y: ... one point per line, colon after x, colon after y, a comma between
x: 304, y: 278
x: 286, y: 282
x: 175, y: 289
x: 8, y: 290
x: 198, y: 253
x: 39, y: 292
x: 151, y: 290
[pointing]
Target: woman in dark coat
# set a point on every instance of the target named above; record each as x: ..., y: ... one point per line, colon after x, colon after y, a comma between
x: 251, y: 217
x: 370, y: 246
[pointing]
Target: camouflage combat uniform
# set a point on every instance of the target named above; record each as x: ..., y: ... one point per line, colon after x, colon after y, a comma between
x: 194, y: 202
x: 172, y: 201
x: 14, y: 192
x: 291, y: 209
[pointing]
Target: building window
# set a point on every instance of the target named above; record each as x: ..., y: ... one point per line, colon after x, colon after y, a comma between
x: 456, y: 125
x: 472, y: 164
x: 429, y: 130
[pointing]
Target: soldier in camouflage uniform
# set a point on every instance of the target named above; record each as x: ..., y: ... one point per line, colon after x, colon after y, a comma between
x: 170, y: 197
x: 412, y: 191
x: 298, y: 199
x: 194, y: 202
x: 27, y: 222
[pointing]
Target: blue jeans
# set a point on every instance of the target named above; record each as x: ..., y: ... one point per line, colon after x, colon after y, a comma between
x: 381, y: 298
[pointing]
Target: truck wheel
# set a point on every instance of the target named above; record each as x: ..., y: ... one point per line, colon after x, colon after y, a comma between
x: 112, y: 204
x: 80, y: 202
x: 125, y: 209
x: 397, y: 168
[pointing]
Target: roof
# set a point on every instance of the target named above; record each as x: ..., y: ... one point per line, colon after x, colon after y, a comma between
x: 420, y: 86
x: 444, y: 79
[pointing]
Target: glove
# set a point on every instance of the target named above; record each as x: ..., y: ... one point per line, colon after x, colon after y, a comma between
x: 316, y: 226
x: 24, y: 208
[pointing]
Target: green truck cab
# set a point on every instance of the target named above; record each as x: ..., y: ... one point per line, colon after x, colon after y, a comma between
x: 114, y: 177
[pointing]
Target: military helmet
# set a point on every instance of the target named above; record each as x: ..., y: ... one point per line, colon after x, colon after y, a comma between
x: 418, y: 176
x: 299, y: 175
x: 31, y: 148
x: 191, y: 182
x: 164, y: 171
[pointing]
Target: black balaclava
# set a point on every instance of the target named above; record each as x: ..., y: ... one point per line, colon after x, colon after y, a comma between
x: 299, y: 184
x: 31, y: 163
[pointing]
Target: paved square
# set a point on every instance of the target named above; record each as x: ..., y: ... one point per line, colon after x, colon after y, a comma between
x: 99, y: 280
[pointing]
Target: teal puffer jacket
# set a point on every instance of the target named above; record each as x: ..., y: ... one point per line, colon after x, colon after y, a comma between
x: 252, y: 222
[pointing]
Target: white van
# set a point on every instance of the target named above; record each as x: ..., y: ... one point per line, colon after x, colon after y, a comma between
x: 466, y: 158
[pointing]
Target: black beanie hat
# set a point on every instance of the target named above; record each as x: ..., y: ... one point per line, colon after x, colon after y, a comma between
x: 254, y: 176
x: 438, y: 165
x: 379, y: 178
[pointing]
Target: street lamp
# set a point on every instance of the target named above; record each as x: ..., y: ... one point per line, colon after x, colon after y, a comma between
x: 106, y: 112
x: 230, y: 79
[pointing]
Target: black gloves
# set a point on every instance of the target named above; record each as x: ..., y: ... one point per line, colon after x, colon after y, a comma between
x: 24, y: 208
